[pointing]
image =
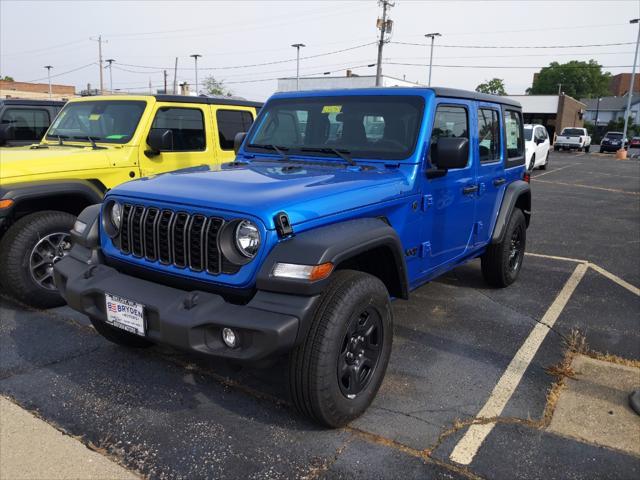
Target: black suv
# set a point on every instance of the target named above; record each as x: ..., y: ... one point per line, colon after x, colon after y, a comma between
x: 23, y: 122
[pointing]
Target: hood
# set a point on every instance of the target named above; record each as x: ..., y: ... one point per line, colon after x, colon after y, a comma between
x: 304, y: 192
x: 26, y: 161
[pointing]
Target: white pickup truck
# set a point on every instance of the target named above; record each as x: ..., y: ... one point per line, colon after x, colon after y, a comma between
x: 573, y: 137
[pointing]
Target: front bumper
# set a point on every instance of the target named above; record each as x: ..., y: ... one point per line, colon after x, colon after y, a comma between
x: 269, y: 325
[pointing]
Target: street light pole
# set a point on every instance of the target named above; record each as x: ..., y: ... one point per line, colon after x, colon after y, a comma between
x: 195, y: 56
x: 633, y: 78
x: 297, y: 46
x: 432, y: 36
x: 110, y: 61
x: 49, y: 67
x: 597, y: 112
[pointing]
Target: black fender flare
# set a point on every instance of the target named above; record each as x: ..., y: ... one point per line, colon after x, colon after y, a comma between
x: 336, y: 243
x: 517, y: 194
x: 23, y: 191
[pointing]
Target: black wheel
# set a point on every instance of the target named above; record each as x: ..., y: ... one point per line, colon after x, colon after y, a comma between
x: 27, y: 253
x: 556, y: 149
x: 502, y: 262
x: 118, y: 336
x: 532, y: 163
x: 546, y: 162
x: 337, y: 370
x: 586, y: 149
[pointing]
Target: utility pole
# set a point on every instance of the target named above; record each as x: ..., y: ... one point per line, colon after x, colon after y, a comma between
x: 297, y: 46
x: 432, y: 36
x: 559, y: 89
x: 596, y: 125
x: 165, y: 82
x: 110, y: 67
x: 633, y: 79
x: 175, y: 78
x: 385, y: 26
x: 195, y: 56
x: 99, y: 40
x: 49, y: 67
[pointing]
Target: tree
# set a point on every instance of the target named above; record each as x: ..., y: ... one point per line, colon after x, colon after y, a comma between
x: 576, y: 78
x: 216, y: 87
x: 7, y: 78
x: 495, y: 86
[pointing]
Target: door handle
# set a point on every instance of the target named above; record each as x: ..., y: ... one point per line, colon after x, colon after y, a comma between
x: 499, y: 181
x: 470, y: 189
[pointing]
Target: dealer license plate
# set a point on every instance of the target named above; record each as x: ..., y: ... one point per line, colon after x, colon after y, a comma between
x: 125, y: 314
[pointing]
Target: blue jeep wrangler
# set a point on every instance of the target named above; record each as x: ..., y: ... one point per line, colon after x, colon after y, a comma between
x: 337, y: 202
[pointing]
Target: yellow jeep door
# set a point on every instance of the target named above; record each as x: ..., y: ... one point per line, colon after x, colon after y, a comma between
x: 192, y: 141
x: 228, y: 121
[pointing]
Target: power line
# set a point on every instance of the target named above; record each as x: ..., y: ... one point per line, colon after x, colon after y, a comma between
x: 63, y: 73
x: 523, y: 46
x: 53, y: 47
x: 574, y: 27
x: 505, y: 66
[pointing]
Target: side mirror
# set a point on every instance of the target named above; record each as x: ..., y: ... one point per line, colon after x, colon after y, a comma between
x: 7, y: 133
x: 237, y: 141
x: 159, y: 140
x: 450, y: 152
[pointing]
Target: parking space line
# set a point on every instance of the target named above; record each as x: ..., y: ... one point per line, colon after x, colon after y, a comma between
x: 553, y: 171
x: 606, y: 273
x: 585, y: 186
x: 468, y: 446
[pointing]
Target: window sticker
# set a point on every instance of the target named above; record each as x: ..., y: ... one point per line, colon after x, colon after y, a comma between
x: 332, y: 109
x: 116, y: 137
x: 512, y: 133
x: 94, y: 116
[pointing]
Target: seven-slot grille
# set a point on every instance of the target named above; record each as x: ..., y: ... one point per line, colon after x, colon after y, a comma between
x: 173, y: 238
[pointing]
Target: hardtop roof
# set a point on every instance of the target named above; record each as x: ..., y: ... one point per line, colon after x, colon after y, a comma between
x: 24, y: 101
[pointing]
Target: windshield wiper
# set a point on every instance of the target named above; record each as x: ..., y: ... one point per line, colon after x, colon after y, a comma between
x: 276, y: 148
x: 344, y: 154
x: 91, y: 139
x: 60, y: 144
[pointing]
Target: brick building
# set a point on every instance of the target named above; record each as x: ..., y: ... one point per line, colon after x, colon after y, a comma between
x: 619, y: 84
x: 35, y: 91
x: 555, y: 112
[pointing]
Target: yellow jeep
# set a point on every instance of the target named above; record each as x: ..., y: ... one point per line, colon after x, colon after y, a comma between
x: 94, y: 144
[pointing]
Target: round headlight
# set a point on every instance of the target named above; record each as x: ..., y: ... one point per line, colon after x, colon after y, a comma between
x: 247, y: 238
x: 115, y: 215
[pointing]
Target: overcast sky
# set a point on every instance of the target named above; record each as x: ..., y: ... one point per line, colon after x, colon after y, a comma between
x: 144, y: 34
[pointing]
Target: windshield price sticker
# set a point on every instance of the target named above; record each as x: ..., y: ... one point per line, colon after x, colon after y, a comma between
x: 332, y: 109
x: 512, y: 133
x: 94, y: 116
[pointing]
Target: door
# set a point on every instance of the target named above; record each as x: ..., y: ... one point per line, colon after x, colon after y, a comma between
x: 30, y: 123
x: 449, y: 201
x: 229, y: 121
x: 192, y: 141
x: 542, y: 145
x: 491, y: 178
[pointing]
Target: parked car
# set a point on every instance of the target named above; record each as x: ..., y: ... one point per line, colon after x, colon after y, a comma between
x: 612, y: 142
x: 300, y: 244
x: 94, y: 144
x: 23, y: 122
x: 573, y: 138
x: 635, y: 142
x: 536, y: 146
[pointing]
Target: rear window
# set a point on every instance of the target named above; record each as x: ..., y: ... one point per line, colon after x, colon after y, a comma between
x: 614, y: 136
x: 572, y: 131
x: 514, y: 135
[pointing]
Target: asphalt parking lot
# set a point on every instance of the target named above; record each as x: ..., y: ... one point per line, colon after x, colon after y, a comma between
x: 466, y: 392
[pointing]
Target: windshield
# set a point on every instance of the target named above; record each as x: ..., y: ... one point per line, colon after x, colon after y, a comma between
x: 104, y: 120
x: 572, y: 131
x: 613, y: 136
x: 528, y: 133
x: 377, y: 127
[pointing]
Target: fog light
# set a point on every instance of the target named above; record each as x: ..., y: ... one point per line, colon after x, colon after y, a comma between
x: 229, y: 338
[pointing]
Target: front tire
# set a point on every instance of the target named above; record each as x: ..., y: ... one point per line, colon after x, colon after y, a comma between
x: 501, y: 263
x: 335, y: 373
x: 586, y: 149
x: 532, y: 163
x: 27, y: 253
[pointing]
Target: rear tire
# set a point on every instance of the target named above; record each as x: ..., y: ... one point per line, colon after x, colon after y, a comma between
x: 501, y: 263
x: 586, y: 149
x: 118, y: 336
x: 335, y: 373
x: 546, y: 161
x: 28, y: 251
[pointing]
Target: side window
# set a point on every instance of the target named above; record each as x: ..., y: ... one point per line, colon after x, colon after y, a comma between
x: 230, y: 123
x: 513, y: 134
x: 489, y: 135
x: 187, y: 125
x: 29, y: 123
x: 449, y: 121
